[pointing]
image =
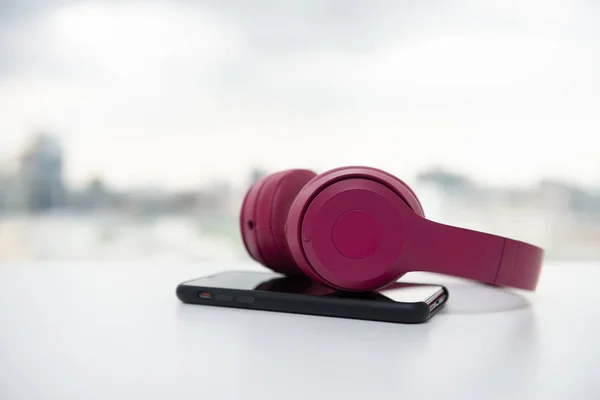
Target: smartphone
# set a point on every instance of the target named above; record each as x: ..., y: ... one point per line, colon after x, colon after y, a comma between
x: 398, y: 302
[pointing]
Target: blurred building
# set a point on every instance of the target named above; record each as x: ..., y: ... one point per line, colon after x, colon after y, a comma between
x: 95, y: 195
x: 446, y: 180
x: 10, y: 200
x: 256, y: 174
x: 41, y: 175
x: 568, y: 196
x: 3, y: 193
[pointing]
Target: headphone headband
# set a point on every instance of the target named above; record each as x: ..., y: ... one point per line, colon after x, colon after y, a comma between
x: 439, y: 248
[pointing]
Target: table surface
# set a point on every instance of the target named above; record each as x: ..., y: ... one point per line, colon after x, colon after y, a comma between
x: 117, y: 331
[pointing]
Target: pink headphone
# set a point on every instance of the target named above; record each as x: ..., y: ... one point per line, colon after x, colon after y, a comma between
x: 360, y: 228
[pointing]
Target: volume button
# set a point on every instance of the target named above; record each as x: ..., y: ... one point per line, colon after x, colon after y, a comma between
x: 245, y: 299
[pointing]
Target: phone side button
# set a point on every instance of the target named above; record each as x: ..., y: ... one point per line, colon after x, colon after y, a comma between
x: 223, y: 297
x: 244, y: 299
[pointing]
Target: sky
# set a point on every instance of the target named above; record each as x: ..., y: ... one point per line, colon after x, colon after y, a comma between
x: 178, y: 93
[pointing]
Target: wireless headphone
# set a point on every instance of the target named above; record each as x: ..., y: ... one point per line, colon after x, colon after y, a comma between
x: 360, y: 228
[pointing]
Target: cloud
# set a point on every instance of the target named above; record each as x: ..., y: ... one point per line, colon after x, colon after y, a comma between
x: 175, y: 91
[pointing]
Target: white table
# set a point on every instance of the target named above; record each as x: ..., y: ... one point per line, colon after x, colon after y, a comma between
x: 117, y: 331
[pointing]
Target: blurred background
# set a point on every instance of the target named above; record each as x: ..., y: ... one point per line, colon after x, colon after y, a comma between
x: 130, y: 130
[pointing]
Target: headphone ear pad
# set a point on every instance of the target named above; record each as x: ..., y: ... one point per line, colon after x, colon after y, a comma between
x: 264, y: 215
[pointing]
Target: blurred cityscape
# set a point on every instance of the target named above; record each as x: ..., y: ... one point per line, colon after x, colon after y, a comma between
x: 39, y: 187
x: 43, y: 218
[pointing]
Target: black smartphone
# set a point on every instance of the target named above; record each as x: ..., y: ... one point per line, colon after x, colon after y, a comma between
x: 399, y: 302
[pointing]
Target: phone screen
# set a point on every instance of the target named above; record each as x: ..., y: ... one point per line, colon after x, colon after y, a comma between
x: 400, y: 292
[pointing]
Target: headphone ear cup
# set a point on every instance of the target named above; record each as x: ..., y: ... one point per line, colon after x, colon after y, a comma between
x: 345, y: 229
x: 263, y: 218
